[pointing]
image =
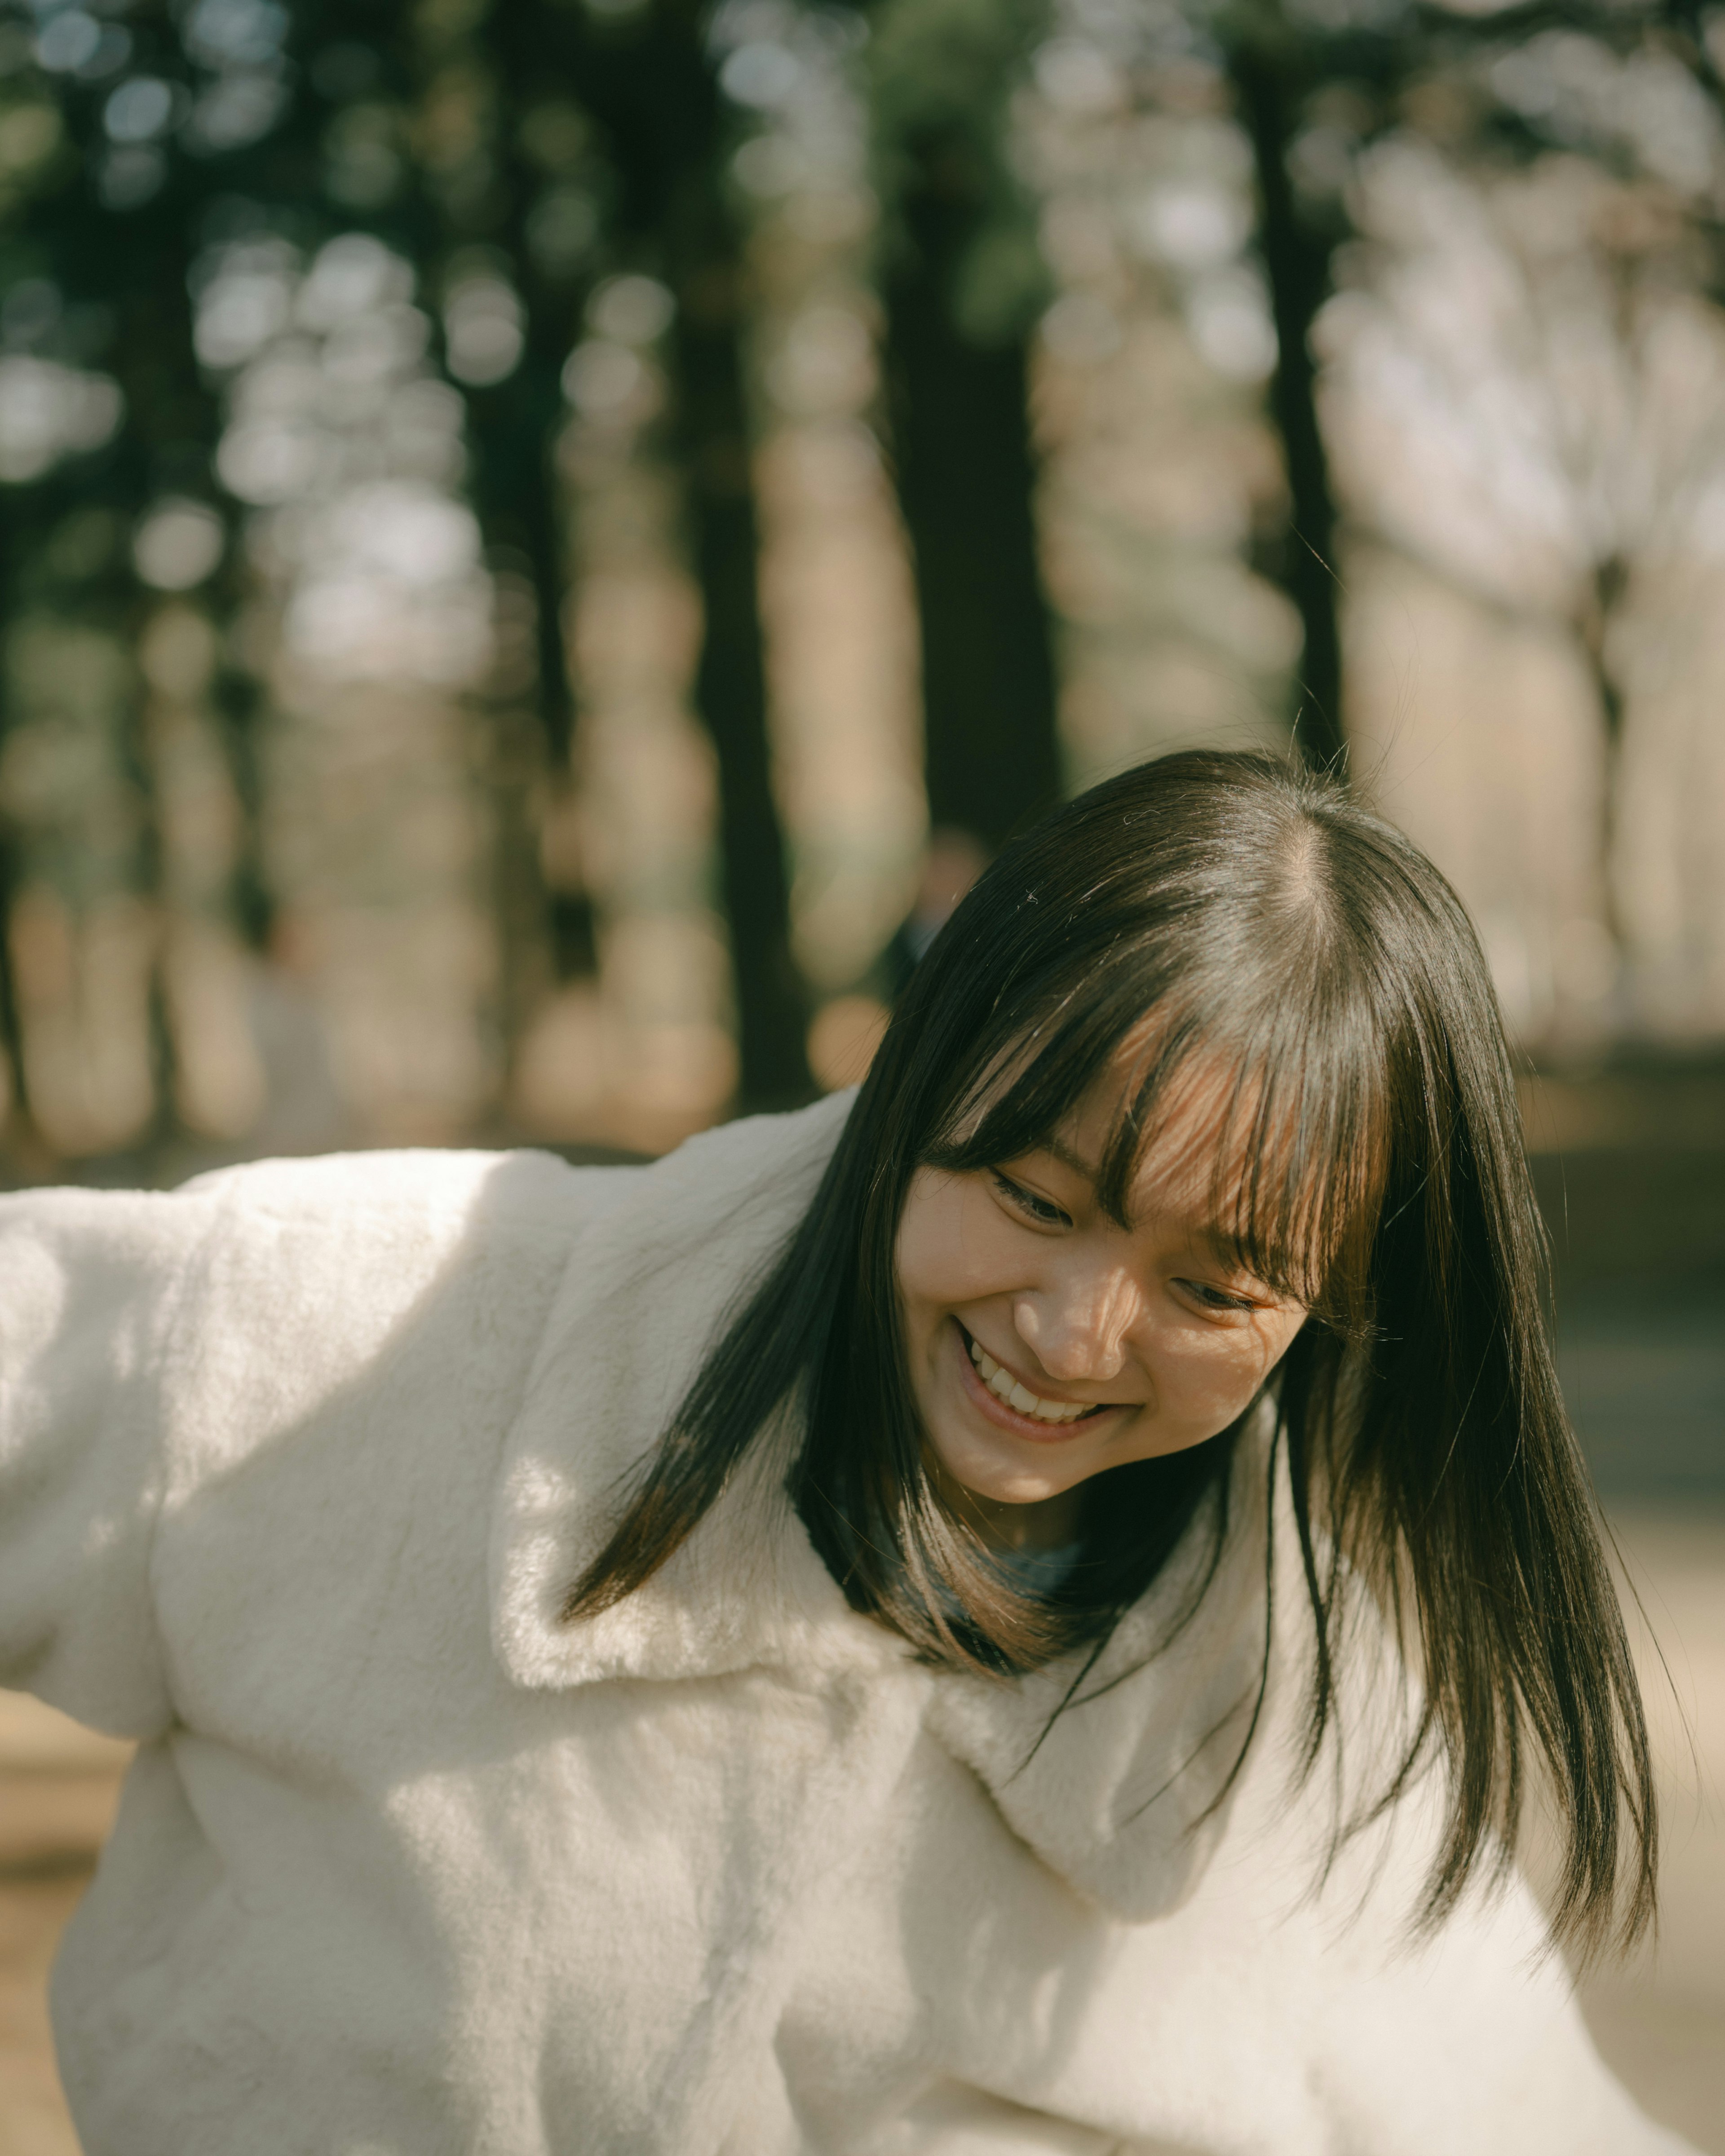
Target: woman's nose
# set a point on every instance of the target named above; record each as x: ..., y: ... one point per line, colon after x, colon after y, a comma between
x: 1077, y: 1328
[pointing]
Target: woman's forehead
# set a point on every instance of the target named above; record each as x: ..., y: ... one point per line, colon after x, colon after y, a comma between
x: 1195, y: 1153
x: 1200, y: 1120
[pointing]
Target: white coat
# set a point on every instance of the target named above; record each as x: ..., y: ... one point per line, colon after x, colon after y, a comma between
x: 295, y: 1467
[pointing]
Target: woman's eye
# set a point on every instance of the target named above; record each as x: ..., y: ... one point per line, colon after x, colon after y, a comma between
x: 1216, y: 1298
x: 1029, y: 1204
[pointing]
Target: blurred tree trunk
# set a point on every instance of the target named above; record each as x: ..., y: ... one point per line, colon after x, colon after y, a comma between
x: 649, y: 81
x: 135, y: 266
x: 527, y: 716
x: 518, y: 495
x: 1687, y: 24
x: 522, y: 716
x: 175, y: 423
x: 19, y: 1122
x: 238, y: 699
x: 730, y: 674
x: 1606, y: 594
x: 1268, y: 86
x: 967, y: 477
x: 149, y: 875
x: 23, y: 1135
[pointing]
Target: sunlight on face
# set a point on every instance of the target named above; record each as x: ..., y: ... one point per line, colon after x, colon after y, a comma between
x: 1047, y: 1343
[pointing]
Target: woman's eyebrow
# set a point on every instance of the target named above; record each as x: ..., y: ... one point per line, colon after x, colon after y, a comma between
x: 1059, y: 1150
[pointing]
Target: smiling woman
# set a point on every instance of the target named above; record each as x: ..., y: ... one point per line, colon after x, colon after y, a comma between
x: 783, y: 1652
x: 1200, y: 1106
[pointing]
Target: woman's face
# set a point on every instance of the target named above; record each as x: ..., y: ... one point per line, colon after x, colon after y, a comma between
x: 1047, y: 1343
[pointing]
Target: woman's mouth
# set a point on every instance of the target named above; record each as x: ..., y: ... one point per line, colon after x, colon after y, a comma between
x: 1006, y: 1401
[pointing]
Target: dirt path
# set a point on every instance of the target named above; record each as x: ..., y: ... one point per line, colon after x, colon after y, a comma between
x: 58, y: 1786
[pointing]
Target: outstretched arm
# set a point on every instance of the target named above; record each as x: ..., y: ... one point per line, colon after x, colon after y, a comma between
x: 92, y: 1304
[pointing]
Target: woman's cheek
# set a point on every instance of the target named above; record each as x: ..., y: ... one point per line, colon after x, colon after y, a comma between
x: 1222, y: 1373
x: 948, y: 1241
x: 1213, y: 1374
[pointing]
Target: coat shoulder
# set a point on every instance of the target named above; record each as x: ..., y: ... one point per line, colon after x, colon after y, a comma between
x: 526, y: 1190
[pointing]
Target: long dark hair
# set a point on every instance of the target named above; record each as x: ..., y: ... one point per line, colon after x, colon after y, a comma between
x: 1229, y: 907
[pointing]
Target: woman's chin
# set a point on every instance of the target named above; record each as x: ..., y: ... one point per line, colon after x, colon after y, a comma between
x: 979, y: 1467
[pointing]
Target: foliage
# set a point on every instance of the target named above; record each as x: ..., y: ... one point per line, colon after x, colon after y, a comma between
x: 460, y: 222
x: 943, y: 77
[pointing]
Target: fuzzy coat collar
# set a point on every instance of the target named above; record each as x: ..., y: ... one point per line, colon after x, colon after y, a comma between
x: 1113, y: 1795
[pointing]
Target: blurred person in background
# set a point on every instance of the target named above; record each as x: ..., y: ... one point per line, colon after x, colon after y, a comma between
x: 303, y: 1110
x: 953, y: 861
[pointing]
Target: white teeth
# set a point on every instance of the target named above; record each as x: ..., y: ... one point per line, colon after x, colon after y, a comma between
x: 1005, y: 1387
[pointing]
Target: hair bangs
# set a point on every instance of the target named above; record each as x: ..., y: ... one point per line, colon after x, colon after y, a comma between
x: 1297, y: 1155
x: 1025, y: 1080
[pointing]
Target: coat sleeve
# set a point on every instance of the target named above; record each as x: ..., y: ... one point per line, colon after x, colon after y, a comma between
x: 1417, y: 2042
x: 1420, y: 2042
x: 151, y: 1343
x: 1476, y: 2042
x: 91, y: 1290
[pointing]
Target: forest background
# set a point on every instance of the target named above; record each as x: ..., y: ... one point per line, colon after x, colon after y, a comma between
x: 540, y: 539
x: 519, y: 518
